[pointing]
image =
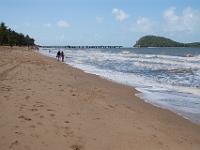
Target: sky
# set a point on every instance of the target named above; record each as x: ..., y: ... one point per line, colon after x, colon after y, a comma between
x: 102, y: 22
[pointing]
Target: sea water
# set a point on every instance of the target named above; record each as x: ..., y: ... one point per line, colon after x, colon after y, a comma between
x: 166, y: 77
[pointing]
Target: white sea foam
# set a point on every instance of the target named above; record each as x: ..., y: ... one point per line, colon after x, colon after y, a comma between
x: 171, y: 82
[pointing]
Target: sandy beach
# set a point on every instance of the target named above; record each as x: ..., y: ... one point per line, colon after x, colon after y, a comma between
x: 48, y: 105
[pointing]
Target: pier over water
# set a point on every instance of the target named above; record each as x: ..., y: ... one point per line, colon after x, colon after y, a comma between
x: 82, y: 47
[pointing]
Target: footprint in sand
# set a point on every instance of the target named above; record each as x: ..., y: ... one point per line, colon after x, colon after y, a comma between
x: 27, y: 97
x: 25, y: 118
x: 139, y: 128
x: 67, y: 132
x: 160, y: 143
x: 183, y: 138
x: 50, y: 110
x: 27, y: 147
x: 38, y: 105
x: 34, y: 109
x: 16, y: 127
x: 111, y: 106
x: 76, y: 147
x: 6, y: 97
x: 35, y: 135
x: 32, y: 126
x: 154, y: 136
x: 39, y: 123
x: 19, y: 133
x: 52, y: 115
x: 41, y: 116
x: 14, y: 144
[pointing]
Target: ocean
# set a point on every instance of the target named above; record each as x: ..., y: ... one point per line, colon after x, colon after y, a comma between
x: 166, y: 77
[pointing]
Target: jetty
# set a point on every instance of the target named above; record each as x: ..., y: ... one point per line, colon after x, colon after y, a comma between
x: 83, y: 47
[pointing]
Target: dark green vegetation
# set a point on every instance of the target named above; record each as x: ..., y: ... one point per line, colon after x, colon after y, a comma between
x: 157, y: 41
x: 9, y: 37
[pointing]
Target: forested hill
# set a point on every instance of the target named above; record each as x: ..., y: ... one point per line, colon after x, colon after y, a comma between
x: 9, y: 37
x: 157, y: 41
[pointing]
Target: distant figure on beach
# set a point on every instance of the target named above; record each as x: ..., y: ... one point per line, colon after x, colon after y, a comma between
x: 58, y: 56
x: 62, y: 56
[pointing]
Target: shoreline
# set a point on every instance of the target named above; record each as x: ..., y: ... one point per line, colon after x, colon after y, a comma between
x: 189, y: 116
x: 137, y: 94
x: 47, y: 104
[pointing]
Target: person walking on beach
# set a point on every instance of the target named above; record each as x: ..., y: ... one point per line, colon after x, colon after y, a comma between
x: 62, y: 56
x: 58, y: 56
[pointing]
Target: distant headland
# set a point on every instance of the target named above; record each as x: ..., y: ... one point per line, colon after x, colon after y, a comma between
x: 158, y: 41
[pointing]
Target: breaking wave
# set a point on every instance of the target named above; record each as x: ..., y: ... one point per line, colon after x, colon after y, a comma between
x: 166, y: 78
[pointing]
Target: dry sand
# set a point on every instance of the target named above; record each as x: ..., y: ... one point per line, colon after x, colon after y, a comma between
x: 47, y: 105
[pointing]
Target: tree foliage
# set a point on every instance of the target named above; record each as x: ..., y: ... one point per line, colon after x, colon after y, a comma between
x: 157, y: 41
x: 12, y: 38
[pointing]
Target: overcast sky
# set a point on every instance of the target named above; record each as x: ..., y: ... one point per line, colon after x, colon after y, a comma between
x: 102, y: 22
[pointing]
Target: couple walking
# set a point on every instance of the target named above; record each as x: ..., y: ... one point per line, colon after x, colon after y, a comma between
x: 60, y: 55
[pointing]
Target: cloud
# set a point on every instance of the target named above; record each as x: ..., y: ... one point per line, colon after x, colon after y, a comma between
x: 174, y: 24
x: 48, y: 25
x: 99, y: 19
x: 187, y: 21
x: 143, y: 24
x: 63, y: 24
x: 119, y: 14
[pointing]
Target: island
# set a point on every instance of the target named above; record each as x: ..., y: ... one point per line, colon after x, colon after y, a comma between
x: 158, y: 41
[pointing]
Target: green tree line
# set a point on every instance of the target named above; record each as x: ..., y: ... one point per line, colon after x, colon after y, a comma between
x: 157, y: 41
x: 11, y: 38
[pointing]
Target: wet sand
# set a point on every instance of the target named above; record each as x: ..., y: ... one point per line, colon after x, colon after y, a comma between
x: 48, y: 105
